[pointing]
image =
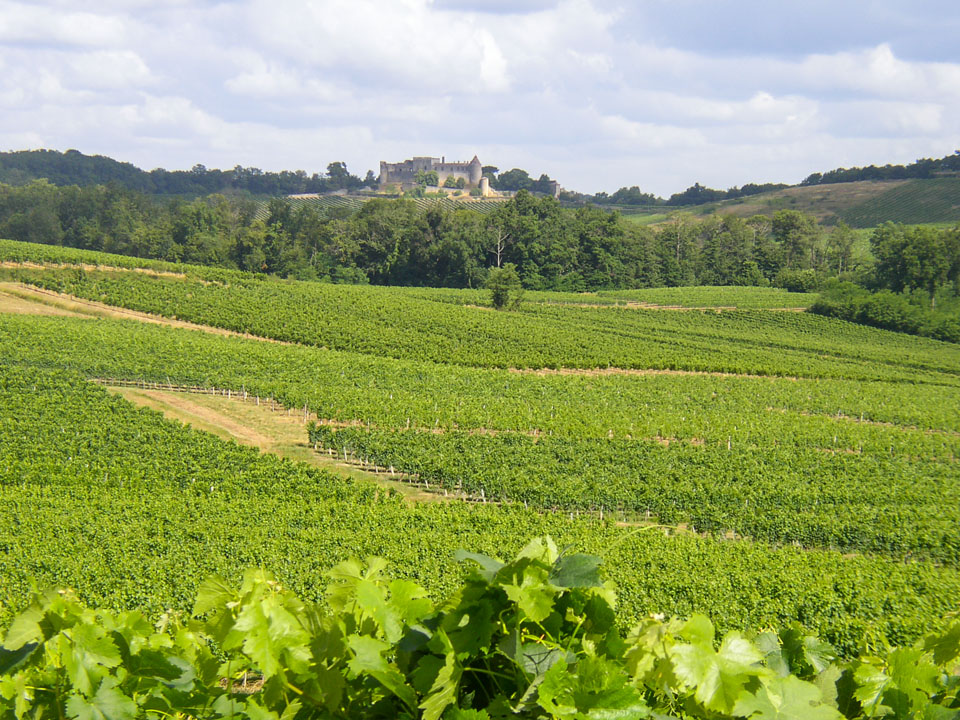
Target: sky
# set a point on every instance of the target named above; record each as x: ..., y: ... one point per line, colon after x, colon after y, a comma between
x: 598, y: 94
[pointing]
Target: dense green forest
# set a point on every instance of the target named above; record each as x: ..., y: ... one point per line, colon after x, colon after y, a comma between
x: 75, y: 168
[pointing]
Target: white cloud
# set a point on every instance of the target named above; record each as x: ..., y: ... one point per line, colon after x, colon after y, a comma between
x: 878, y: 72
x: 23, y: 23
x: 107, y: 70
x: 581, y: 89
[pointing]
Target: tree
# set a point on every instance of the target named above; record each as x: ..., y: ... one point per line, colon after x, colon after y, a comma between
x: 515, y: 179
x: 337, y: 171
x: 797, y: 234
x: 505, y: 289
x: 490, y: 173
x: 840, y: 246
x: 430, y: 178
x: 913, y: 257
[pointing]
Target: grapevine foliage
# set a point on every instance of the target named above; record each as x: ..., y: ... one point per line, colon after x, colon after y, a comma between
x: 534, y: 637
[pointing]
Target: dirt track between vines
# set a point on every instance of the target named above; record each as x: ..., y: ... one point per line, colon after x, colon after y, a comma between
x: 63, y: 304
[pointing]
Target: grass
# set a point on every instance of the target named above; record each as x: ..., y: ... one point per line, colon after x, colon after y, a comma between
x: 273, y: 431
x: 919, y: 201
x: 647, y: 218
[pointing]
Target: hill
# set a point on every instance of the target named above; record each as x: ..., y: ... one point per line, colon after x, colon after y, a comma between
x: 860, y: 204
x: 74, y: 168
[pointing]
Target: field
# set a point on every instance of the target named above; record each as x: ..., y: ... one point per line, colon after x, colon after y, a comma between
x: 756, y: 464
x: 918, y: 201
x: 395, y: 323
x: 862, y: 204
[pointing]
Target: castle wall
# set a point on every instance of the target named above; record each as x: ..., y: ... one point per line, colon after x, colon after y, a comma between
x: 406, y: 171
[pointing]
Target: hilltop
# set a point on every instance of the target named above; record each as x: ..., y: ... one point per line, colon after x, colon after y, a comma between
x: 860, y: 204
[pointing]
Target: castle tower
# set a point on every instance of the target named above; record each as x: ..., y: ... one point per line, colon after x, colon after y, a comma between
x: 476, y: 171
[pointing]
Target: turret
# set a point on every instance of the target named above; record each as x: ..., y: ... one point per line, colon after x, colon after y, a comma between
x: 476, y: 171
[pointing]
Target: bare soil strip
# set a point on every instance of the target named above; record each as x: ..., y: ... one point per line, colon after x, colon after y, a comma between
x: 643, y: 371
x: 282, y: 433
x: 88, y: 268
x: 77, y: 306
x: 637, y: 305
x: 12, y: 302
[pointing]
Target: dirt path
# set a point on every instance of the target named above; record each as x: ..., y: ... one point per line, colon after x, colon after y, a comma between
x: 11, y: 301
x: 270, y: 431
x: 36, y: 301
x: 597, y: 372
x: 88, y: 268
x: 638, y: 305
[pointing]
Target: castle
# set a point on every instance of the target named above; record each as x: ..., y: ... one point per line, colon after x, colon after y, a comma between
x: 405, y: 173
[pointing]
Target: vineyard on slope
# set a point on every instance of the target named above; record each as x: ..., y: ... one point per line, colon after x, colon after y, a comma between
x: 761, y: 457
x: 393, y: 322
x: 818, y: 497
x: 164, y: 506
x: 920, y: 201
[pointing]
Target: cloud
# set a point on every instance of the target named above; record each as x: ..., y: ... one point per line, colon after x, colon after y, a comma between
x: 502, y: 7
x: 597, y: 93
x: 32, y: 24
x: 878, y: 72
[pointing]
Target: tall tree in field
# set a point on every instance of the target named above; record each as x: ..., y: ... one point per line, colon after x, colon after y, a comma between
x: 797, y: 234
x: 912, y: 257
x: 504, y: 286
x: 840, y: 247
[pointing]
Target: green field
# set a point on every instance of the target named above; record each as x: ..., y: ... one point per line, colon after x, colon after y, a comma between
x: 392, y: 322
x: 862, y: 204
x: 918, y: 201
x: 724, y: 297
x: 807, y: 467
x: 164, y: 506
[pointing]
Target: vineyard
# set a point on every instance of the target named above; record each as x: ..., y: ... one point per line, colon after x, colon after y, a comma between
x: 392, y: 322
x: 17, y: 254
x: 760, y: 466
x: 882, y: 505
x: 720, y: 298
x: 534, y: 636
x: 919, y: 201
x: 165, y: 506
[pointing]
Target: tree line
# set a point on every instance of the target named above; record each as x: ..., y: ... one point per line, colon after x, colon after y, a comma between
x: 922, y: 168
x: 698, y: 194
x: 74, y: 168
x: 398, y: 242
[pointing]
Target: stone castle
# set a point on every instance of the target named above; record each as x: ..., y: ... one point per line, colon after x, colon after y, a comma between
x: 405, y: 173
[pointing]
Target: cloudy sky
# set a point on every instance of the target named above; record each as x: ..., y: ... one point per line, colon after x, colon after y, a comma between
x: 596, y: 93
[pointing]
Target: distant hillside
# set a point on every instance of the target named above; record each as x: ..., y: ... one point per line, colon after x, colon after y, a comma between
x: 70, y: 168
x: 917, y: 201
x: 862, y: 204
x: 74, y: 168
